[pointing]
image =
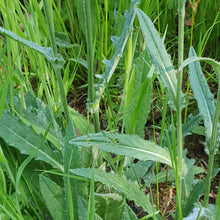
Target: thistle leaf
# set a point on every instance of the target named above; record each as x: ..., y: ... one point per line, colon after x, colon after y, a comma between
x: 159, y: 56
x: 204, y: 97
x: 119, y: 43
x: 122, y: 144
x: 53, y: 197
x: 17, y: 134
x: 45, y: 51
x: 129, y: 189
x: 138, y: 106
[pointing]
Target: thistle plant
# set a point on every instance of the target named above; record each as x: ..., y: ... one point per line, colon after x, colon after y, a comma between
x: 68, y: 181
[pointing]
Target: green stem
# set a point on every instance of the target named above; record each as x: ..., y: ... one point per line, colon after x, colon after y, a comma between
x: 90, y: 57
x: 49, y: 17
x: 212, y: 147
x: 181, y: 16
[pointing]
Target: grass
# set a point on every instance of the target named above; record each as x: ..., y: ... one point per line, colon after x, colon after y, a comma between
x: 56, y: 163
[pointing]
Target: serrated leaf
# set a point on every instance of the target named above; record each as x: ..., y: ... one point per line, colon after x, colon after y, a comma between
x: 80, y: 122
x: 204, y: 97
x: 159, y: 56
x: 196, y: 191
x: 191, y: 122
x: 188, y: 180
x: 129, y: 145
x: 45, y: 51
x: 38, y: 116
x: 129, y: 189
x: 138, y: 170
x: 26, y: 140
x: 106, y: 203
x: 119, y: 43
x: 207, y: 213
x: 139, y: 102
x: 82, y: 209
x: 128, y: 214
x: 53, y: 197
x: 62, y: 40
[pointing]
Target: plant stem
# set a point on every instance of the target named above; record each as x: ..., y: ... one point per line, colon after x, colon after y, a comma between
x: 181, y: 16
x: 49, y: 17
x: 212, y: 147
x: 90, y: 57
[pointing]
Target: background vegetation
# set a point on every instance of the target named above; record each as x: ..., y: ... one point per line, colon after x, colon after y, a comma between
x: 106, y: 111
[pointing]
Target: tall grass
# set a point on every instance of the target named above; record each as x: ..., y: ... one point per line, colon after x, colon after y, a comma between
x: 57, y: 162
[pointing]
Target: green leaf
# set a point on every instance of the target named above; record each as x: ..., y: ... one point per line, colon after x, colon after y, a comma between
x: 218, y: 204
x: 2, y: 156
x: 129, y: 145
x: 82, y: 209
x: 138, y: 108
x: 191, y: 122
x: 45, y: 51
x: 214, y: 63
x: 128, y: 214
x: 106, y: 203
x: 196, y: 191
x: 159, y: 56
x: 202, y: 213
x: 53, y: 197
x: 62, y: 40
x: 138, y: 170
x: 119, y: 44
x: 82, y: 124
x: 38, y: 116
x: 204, y: 97
x: 24, y: 138
x: 72, y: 187
x: 129, y: 189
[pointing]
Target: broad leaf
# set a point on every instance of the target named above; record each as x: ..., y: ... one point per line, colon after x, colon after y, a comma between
x: 38, y: 116
x: 196, y: 192
x: 129, y: 189
x: 62, y: 40
x: 202, y: 213
x: 129, y: 145
x: 53, y: 197
x: 80, y: 122
x: 191, y: 122
x: 204, y: 97
x: 82, y: 209
x: 128, y: 214
x: 24, y: 138
x: 106, y: 203
x: 139, y: 102
x: 159, y: 56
